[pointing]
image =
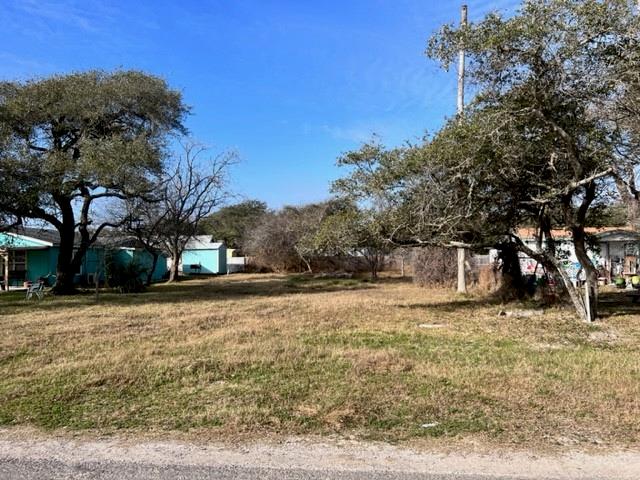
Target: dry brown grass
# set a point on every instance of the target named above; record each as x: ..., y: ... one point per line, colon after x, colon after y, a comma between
x: 266, y: 354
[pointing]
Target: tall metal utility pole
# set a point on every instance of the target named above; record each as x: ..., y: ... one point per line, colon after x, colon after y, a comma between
x: 462, y: 253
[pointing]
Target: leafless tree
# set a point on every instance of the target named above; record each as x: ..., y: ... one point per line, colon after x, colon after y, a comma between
x: 144, y: 220
x: 194, y: 188
x: 281, y: 241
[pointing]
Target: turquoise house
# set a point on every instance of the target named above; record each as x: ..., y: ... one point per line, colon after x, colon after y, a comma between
x: 133, y: 254
x: 203, y: 256
x: 31, y: 254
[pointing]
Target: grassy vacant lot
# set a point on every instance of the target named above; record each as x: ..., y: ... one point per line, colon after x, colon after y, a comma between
x: 271, y: 355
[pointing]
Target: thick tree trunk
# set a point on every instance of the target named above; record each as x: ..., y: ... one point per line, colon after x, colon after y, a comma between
x: 513, y: 285
x: 67, y: 265
x: 66, y: 273
x: 591, y: 274
x: 65, y: 284
x: 173, y: 271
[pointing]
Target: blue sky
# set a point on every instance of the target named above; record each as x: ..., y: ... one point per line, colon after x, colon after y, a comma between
x: 289, y: 84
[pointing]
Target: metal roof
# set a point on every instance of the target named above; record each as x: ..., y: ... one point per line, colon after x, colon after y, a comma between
x: 203, y: 242
x: 51, y: 237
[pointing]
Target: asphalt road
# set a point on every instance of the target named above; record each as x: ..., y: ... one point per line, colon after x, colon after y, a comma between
x: 27, y: 455
x: 19, y: 469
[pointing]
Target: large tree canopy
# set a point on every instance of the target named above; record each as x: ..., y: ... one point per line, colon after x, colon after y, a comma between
x: 549, y: 85
x: 69, y: 141
x: 542, y: 143
x: 232, y: 223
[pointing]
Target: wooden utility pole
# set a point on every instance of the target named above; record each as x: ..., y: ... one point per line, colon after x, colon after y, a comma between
x: 461, y: 63
x: 462, y: 253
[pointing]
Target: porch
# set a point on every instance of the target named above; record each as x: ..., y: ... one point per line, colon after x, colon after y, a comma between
x: 619, y: 254
x: 13, y: 266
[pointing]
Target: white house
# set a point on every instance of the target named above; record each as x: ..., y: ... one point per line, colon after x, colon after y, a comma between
x: 617, y: 252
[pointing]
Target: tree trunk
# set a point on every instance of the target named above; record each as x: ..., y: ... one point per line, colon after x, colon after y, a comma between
x: 630, y: 200
x: 67, y: 265
x: 154, y: 263
x: 575, y: 294
x: 173, y: 272
x: 307, y: 264
x: 552, y: 265
x: 373, y: 258
x: 591, y: 274
x: 633, y: 213
x: 513, y: 285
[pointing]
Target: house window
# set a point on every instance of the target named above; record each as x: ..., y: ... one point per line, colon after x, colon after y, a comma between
x: 631, y: 249
x: 18, y: 261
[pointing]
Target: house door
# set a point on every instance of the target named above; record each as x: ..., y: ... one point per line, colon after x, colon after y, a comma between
x: 631, y: 258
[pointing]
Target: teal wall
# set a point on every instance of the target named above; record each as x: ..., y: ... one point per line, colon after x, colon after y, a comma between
x: 146, y: 259
x: 43, y: 261
x: 125, y: 256
x: 40, y: 263
x: 93, y: 262
x: 212, y: 261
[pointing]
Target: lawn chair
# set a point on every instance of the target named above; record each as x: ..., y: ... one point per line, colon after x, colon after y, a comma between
x: 35, y: 289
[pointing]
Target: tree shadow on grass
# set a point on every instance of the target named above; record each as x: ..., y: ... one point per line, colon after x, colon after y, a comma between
x: 454, y: 305
x: 192, y: 290
x: 611, y: 303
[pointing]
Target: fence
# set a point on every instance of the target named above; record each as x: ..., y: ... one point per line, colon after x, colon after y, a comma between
x: 236, y: 264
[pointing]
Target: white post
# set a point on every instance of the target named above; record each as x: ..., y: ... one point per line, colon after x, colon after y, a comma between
x: 462, y: 254
x: 6, y: 269
x: 587, y: 301
x: 462, y: 282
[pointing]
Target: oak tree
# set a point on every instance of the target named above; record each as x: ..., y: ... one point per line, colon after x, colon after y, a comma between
x: 71, y: 142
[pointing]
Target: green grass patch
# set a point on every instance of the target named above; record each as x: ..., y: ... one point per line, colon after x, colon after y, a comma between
x: 269, y: 354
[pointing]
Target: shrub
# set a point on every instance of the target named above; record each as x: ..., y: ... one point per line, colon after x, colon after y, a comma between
x: 435, y: 266
x: 127, y: 278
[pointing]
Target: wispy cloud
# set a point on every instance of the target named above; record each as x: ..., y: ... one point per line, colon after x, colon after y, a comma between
x: 353, y: 133
x: 12, y: 60
x: 81, y: 15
